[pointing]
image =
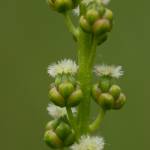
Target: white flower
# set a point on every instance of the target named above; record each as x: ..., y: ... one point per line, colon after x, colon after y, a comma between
x: 66, y: 66
x: 57, y: 112
x: 89, y: 143
x: 106, y: 70
x: 105, y: 2
x: 76, y: 11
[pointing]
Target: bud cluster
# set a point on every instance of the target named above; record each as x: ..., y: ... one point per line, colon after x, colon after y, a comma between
x: 59, y: 134
x: 97, y: 20
x: 62, y: 5
x: 108, y: 95
x: 65, y: 91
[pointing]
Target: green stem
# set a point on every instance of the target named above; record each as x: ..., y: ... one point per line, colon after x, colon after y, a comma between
x: 96, y: 124
x: 87, y: 48
x: 70, y: 25
x: 72, y: 120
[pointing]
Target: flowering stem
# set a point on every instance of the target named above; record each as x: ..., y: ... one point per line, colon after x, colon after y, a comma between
x: 96, y: 124
x: 72, y: 120
x: 70, y: 25
x: 86, y: 53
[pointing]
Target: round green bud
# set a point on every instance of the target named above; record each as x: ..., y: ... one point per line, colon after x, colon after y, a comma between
x: 66, y: 89
x: 63, y: 5
x: 119, y: 103
x: 84, y: 24
x: 63, y: 130
x: 92, y: 15
x: 51, y: 125
x: 96, y: 91
x: 75, y: 98
x: 108, y: 14
x: 102, y: 38
x: 58, y: 80
x: 105, y: 84
x: 106, y: 101
x: 52, y: 140
x: 56, y: 97
x: 70, y: 139
x: 101, y: 26
x: 115, y: 91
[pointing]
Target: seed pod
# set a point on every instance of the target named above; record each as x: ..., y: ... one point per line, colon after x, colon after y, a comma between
x: 75, y: 98
x: 52, y: 140
x: 84, y: 24
x: 115, y: 91
x: 52, y: 124
x: 105, y: 84
x: 92, y: 15
x: 119, y: 103
x: 66, y: 89
x: 56, y: 98
x: 96, y: 91
x: 101, y: 26
x: 61, y: 5
x: 106, y: 101
x: 108, y: 14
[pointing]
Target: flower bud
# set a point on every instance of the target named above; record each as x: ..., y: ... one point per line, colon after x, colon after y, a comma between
x: 84, y: 24
x: 52, y: 124
x: 75, y: 98
x: 52, y: 140
x: 96, y: 91
x: 58, y: 80
x: 106, y: 101
x: 108, y: 14
x: 92, y: 15
x: 115, y: 91
x: 101, y: 26
x: 66, y: 89
x: 61, y: 5
x: 105, y: 84
x: 56, y: 98
x: 70, y: 139
x: 119, y: 103
x: 63, y: 130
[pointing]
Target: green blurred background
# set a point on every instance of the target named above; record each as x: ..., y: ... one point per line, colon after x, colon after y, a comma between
x: 32, y: 36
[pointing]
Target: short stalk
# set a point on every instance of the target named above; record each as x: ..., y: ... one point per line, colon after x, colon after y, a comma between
x: 96, y: 124
x: 72, y: 120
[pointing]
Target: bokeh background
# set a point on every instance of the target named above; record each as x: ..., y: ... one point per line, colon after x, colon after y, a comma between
x: 32, y: 36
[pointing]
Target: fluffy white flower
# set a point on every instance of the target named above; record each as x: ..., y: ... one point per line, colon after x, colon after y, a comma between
x: 89, y: 143
x: 76, y: 11
x: 105, y: 2
x: 66, y: 66
x: 56, y: 112
x: 106, y: 70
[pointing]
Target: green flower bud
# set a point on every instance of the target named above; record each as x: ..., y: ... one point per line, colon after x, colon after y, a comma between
x: 52, y: 140
x: 66, y: 89
x: 70, y: 139
x: 101, y: 26
x: 84, y: 24
x: 106, y: 101
x: 56, y: 98
x: 92, y: 15
x: 105, y: 84
x: 102, y: 38
x: 58, y: 80
x: 61, y: 5
x: 63, y: 130
x: 108, y: 14
x: 52, y: 124
x: 96, y: 91
x: 75, y: 98
x: 119, y: 103
x: 115, y: 91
